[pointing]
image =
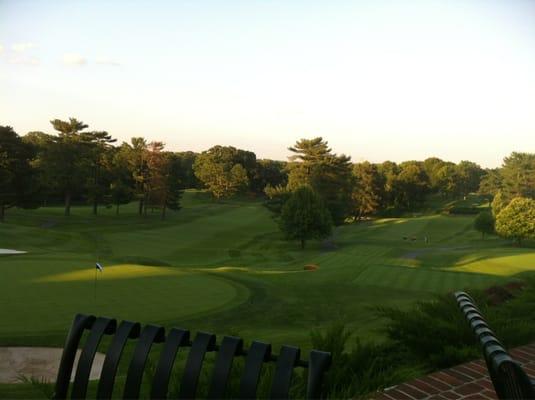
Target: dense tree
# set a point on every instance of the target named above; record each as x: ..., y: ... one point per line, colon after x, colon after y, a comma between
x: 122, y: 184
x: 517, y: 220
x: 313, y: 163
x: 447, y: 180
x: 99, y: 144
x: 431, y: 167
x: 41, y: 143
x: 484, y: 223
x: 173, y: 187
x: 367, y: 189
x: 518, y: 175
x: 268, y: 173
x: 490, y: 184
x: 136, y: 154
x: 164, y: 185
x: 468, y: 175
x: 276, y: 198
x: 410, y: 186
x: 304, y: 216
x: 498, y: 204
x: 186, y: 159
x: 18, y: 185
x: 389, y: 171
x: 220, y: 170
x: 66, y: 160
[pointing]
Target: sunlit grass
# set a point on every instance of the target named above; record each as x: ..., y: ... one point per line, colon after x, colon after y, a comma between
x: 124, y: 271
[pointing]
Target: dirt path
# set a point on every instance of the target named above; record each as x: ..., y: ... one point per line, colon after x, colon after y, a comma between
x: 38, y: 362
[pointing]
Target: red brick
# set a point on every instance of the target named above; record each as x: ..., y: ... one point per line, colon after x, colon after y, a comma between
x: 440, y: 385
x: 469, y: 371
x: 486, y: 383
x: 397, y: 395
x: 478, y: 396
x: 449, y: 395
x: 442, y: 376
x: 530, y: 369
x: 412, y: 391
x: 478, y: 366
x: 469, y: 388
x: 421, y: 384
x: 518, y: 355
x: 463, y: 378
x: 528, y: 350
x: 490, y: 394
x: 382, y: 396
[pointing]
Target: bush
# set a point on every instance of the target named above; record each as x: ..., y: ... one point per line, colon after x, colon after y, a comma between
x: 362, y: 368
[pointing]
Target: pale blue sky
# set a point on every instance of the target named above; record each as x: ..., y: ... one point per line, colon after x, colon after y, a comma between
x: 378, y: 79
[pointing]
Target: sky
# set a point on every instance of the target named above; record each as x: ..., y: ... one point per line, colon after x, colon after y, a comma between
x: 380, y: 80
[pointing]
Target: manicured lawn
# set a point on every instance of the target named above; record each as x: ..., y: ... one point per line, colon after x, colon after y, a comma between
x: 224, y: 267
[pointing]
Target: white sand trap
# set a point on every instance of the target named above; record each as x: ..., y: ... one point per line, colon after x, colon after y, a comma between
x: 11, y: 251
x: 38, y: 362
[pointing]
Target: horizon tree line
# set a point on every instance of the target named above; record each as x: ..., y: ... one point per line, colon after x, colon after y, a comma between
x: 84, y: 166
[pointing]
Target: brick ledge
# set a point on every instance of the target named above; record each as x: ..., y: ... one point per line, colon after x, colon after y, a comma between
x: 466, y: 381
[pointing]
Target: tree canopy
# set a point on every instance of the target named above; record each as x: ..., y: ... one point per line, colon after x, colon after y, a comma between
x: 517, y: 220
x: 313, y: 163
x: 18, y: 186
x: 304, y: 216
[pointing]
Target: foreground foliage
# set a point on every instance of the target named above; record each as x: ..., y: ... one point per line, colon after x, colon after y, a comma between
x: 430, y: 336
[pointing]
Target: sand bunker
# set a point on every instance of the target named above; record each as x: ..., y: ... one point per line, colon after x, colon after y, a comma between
x: 11, y: 251
x: 38, y: 362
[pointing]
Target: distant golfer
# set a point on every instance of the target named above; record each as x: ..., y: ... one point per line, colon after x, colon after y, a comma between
x: 99, y: 267
x: 426, y: 239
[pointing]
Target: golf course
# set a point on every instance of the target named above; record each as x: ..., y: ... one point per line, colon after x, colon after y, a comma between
x: 224, y: 267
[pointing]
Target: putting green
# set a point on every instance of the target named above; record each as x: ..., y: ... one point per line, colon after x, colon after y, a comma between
x: 135, y: 292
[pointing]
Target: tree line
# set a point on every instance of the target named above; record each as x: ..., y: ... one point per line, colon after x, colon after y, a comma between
x: 81, y: 165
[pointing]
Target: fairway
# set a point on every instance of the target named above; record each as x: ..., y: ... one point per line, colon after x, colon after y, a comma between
x: 223, y: 266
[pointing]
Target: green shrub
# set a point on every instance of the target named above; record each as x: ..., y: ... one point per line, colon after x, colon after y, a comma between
x: 362, y: 368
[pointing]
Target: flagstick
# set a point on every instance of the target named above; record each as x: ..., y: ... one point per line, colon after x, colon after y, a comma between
x: 95, y: 287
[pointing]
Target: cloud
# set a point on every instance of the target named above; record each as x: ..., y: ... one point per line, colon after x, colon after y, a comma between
x: 74, y: 59
x: 1, y: 48
x: 108, y: 61
x: 23, y: 60
x: 21, y: 47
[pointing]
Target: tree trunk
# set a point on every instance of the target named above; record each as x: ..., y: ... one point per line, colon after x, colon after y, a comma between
x: 164, y: 208
x: 302, y: 244
x: 95, y: 206
x: 140, y: 209
x: 117, y: 209
x: 2, y: 212
x: 67, y: 203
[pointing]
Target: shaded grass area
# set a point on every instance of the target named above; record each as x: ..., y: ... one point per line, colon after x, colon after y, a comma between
x: 223, y: 267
